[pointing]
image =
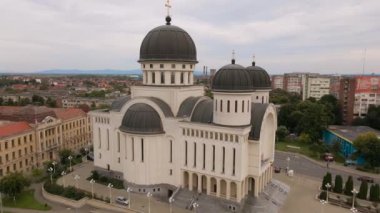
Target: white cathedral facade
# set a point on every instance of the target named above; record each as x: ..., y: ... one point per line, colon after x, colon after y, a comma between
x: 167, y: 133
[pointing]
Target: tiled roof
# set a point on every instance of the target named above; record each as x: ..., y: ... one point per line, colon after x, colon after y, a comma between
x: 14, y: 128
x: 68, y: 113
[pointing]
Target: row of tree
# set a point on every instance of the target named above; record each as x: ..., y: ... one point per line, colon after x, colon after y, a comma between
x: 35, y: 100
x: 337, y: 187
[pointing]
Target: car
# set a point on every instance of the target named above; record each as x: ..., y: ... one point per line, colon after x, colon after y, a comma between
x: 366, y: 179
x: 328, y: 157
x: 122, y: 201
x: 277, y: 169
x: 350, y: 163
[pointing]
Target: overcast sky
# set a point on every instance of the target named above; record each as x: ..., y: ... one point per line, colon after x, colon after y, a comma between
x: 326, y: 36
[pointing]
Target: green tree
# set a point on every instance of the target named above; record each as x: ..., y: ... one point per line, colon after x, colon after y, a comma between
x: 281, y: 133
x: 368, y: 146
x: 327, y: 179
x: 24, y: 101
x: 363, y: 191
x: 333, y: 107
x: 338, y: 184
x: 349, y: 186
x: 13, y: 184
x: 36, y: 99
x: 305, y: 138
x: 335, y: 147
x: 374, y: 193
x: 64, y: 154
x: 51, y: 102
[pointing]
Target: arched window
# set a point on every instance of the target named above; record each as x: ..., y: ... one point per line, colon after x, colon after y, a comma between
x: 172, y: 78
x: 181, y: 77
x: 228, y: 106
x: 248, y: 106
x: 221, y: 105
x: 153, y: 77
x: 236, y: 106
x: 242, y: 107
x: 162, y: 77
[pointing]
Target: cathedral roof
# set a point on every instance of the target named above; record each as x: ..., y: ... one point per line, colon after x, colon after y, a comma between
x: 203, y: 112
x: 119, y: 103
x: 168, y: 43
x: 187, y: 106
x: 141, y: 118
x: 259, y: 77
x: 257, y: 117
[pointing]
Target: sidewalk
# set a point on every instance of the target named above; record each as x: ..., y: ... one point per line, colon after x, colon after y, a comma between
x: 335, y: 166
x: 139, y: 202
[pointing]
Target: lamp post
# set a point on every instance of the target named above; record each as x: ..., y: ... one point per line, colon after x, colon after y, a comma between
x: 86, y: 150
x: 149, y: 195
x: 129, y: 190
x: 287, y: 160
x: 92, y: 181
x: 323, y: 202
x: 328, y: 186
x: 171, y: 200
x: 76, y: 178
x: 54, y: 163
x: 70, y: 158
x: 63, y: 178
x: 110, y: 186
x: 354, y: 192
x: 50, y: 169
x: 195, y: 206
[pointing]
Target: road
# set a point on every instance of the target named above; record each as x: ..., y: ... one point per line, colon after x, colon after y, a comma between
x: 304, y: 166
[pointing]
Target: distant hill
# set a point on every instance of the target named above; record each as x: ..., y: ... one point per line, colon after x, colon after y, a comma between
x: 89, y: 72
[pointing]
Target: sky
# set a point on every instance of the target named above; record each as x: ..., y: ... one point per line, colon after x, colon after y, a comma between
x: 322, y: 36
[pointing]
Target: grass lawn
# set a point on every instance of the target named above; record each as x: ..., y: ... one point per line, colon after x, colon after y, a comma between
x: 304, y: 149
x: 25, y: 200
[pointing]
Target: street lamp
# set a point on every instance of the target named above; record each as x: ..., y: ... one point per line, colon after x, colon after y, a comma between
x: 323, y: 202
x: 86, y: 150
x: 92, y: 181
x: 50, y: 169
x: 287, y: 160
x: 110, y: 186
x: 54, y: 163
x: 354, y: 192
x: 129, y: 190
x: 70, y: 158
x: 171, y: 200
x: 149, y: 195
x: 328, y: 186
x: 76, y: 178
x: 63, y: 178
x: 195, y: 206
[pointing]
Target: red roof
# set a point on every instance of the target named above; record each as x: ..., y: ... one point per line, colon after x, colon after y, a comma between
x: 69, y: 113
x: 14, y: 128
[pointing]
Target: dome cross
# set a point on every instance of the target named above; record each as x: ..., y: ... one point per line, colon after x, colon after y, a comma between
x: 168, y: 7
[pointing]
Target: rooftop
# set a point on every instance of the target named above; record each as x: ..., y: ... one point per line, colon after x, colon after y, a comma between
x: 351, y: 132
x: 13, y: 128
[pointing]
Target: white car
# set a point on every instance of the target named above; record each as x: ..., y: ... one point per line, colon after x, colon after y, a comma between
x: 122, y: 200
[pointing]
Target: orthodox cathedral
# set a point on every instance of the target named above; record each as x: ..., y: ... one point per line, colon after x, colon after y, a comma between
x: 167, y: 136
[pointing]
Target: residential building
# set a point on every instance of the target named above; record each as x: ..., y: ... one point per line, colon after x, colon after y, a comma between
x: 315, y: 86
x: 277, y: 82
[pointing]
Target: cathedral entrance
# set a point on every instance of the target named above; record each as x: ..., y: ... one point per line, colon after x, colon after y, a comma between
x: 251, y: 186
x: 185, y: 180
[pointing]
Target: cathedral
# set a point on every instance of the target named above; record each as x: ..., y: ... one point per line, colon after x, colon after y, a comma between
x: 168, y: 136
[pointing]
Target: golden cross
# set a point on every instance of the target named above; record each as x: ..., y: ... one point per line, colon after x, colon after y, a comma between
x: 168, y: 6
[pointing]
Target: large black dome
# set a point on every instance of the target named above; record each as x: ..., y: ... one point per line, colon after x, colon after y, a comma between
x: 141, y: 118
x: 259, y: 77
x: 168, y: 43
x: 232, y: 78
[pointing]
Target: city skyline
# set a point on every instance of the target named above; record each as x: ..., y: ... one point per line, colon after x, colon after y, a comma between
x: 322, y: 37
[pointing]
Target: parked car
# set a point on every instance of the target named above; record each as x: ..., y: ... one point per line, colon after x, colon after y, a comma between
x: 349, y: 163
x: 122, y: 201
x: 328, y: 157
x: 366, y: 179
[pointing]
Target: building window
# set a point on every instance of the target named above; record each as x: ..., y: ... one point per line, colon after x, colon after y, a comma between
x: 221, y: 105
x: 195, y: 154
x: 172, y: 77
x: 142, y: 150
x: 248, y: 106
x: 185, y: 153
x: 262, y: 99
x: 151, y: 65
x: 161, y: 66
x: 170, y: 172
x: 216, y: 105
x: 213, y: 157
x: 236, y: 106
x: 118, y: 142
x: 153, y: 77
x: 182, y: 78
x: 162, y: 75
x: 228, y: 106
x: 191, y: 66
x: 242, y: 107
x: 108, y: 139
x: 204, y: 156
x: 233, y: 161
x: 133, y: 149
x: 183, y: 66
x: 100, y: 138
x: 171, y: 151
x: 173, y: 66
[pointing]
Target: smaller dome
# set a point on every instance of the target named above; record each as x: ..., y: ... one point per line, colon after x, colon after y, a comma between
x: 259, y: 77
x: 141, y: 118
x: 232, y: 78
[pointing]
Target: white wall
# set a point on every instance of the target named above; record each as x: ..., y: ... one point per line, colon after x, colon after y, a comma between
x: 234, y: 117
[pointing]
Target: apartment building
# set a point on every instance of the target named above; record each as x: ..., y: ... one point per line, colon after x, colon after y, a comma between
x: 315, y: 86
x: 277, y: 82
x: 51, y: 129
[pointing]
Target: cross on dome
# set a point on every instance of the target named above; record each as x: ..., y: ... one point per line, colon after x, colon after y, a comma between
x: 168, y: 6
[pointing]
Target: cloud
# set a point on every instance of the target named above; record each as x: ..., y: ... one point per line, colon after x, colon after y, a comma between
x: 318, y: 36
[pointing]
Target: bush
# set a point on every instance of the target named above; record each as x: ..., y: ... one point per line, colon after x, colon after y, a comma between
x: 349, y: 186
x: 326, y: 179
x: 338, y: 185
x: 53, y: 188
x: 323, y: 195
x: 374, y: 193
x: 95, y: 175
x: 103, y: 179
x: 363, y: 191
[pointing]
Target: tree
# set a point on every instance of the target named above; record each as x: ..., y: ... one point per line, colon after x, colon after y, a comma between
x: 51, y: 102
x: 304, y: 138
x: 13, y: 184
x: 281, y: 133
x: 368, y: 146
x: 333, y: 107
x: 24, y: 102
x: 338, y: 184
x: 374, y: 193
x: 36, y: 99
x: 363, y: 191
x: 327, y: 179
x: 349, y: 186
x: 335, y: 147
x: 64, y: 154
